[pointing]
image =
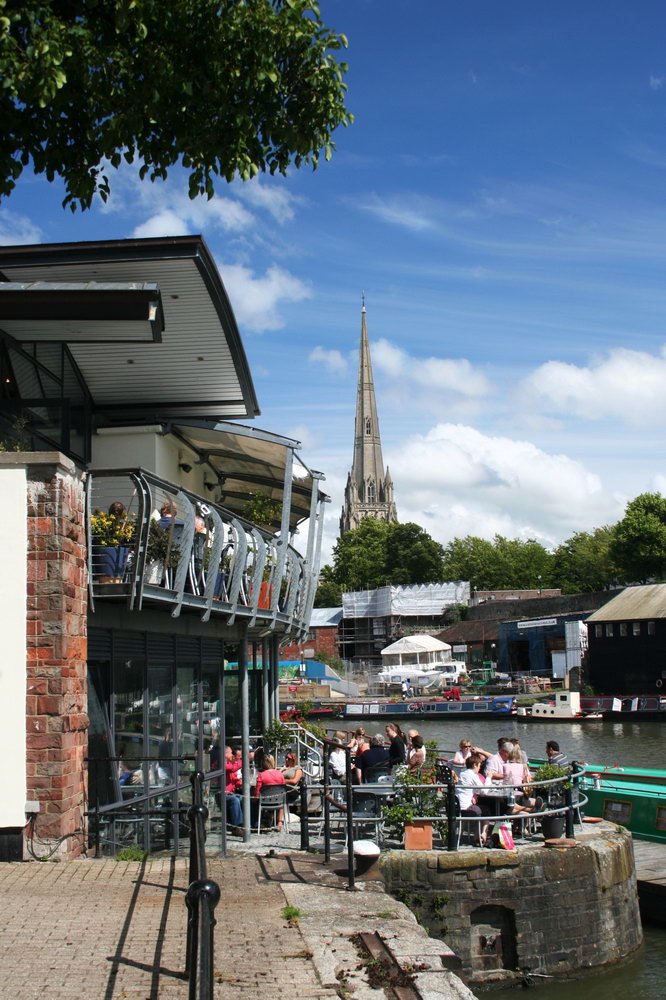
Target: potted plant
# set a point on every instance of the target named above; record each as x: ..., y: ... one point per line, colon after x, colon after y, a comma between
x: 113, y: 535
x: 552, y: 827
x: 412, y: 802
x: 161, y: 553
x: 277, y: 737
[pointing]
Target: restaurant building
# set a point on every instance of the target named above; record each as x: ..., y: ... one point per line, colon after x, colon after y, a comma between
x: 149, y: 541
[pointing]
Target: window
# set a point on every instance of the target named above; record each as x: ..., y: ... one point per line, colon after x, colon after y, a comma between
x: 609, y: 631
x: 636, y: 628
x: 368, y: 426
x: 372, y: 492
x: 598, y: 631
x: 624, y: 629
x: 651, y: 628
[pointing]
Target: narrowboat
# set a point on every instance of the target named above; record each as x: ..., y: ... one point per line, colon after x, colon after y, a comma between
x: 426, y: 708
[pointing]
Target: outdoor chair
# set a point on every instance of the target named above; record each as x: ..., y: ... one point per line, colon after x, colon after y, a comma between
x: 373, y: 774
x: 367, y: 811
x: 272, y: 798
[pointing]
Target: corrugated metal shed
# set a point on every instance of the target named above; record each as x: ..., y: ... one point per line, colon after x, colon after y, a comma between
x: 634, y: 604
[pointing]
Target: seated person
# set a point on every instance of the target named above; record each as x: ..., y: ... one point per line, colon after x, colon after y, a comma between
x: 465, y: 748
x: 292, y: 773
x: 232, y: 788
x: 338, y: 758
x: 417, y: 755
x: 269, y: 775
x: 555, y: 755
x: 517, y: 774
x: 397, y: 744
x: 468, y: 798
x: 376, y: 756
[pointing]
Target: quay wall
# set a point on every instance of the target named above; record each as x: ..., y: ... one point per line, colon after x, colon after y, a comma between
x: 535, y: 910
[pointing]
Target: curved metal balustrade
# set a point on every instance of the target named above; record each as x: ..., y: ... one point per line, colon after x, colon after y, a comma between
x: 170, y: 546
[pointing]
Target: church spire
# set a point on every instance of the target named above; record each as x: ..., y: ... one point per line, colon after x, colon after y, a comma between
x: 369, y: 490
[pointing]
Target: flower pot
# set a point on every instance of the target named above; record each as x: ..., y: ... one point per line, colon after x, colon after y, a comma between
x: 418, y: 835
x: 265, y: 594
x: 154, y: 572
x: 110, y: 562
x: 552, y: 827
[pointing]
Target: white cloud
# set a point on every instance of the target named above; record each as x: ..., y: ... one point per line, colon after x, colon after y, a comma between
x: 440, y: 374
x: 165, y: 223
x: 256, y: 298
x: 625, y: 384
x: 18, y: 229
x: 416, y: 217
x: 656, y: 82
x: 277, y: 201
x: 333, y: 360
x: 456, y: 481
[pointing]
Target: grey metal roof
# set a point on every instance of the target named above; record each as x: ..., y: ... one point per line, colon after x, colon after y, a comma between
x: 93, y: 311
x: 323, y: 617
x: 633, y: 604
x: 198, y: 369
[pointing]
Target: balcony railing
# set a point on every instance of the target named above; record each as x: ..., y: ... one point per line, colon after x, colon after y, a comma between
x: 150, y: 541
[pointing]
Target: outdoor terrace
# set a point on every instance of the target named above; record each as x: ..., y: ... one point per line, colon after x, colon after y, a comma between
x: 169, y: 546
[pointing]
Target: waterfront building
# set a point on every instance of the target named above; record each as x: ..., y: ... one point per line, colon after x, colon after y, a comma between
x: 627, y: 640
x: 369, y: 489
x: 149, y: 561
x: 371, y: 619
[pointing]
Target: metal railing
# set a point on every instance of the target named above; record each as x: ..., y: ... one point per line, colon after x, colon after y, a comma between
x: 179, y: 548
x: 203, y: 895
x: 566, y: 793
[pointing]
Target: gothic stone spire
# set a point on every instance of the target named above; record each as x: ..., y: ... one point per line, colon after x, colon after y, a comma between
x: 369, y: 490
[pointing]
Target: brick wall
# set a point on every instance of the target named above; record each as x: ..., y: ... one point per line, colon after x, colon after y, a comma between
x: 56, y: 698
x: 537, y: 909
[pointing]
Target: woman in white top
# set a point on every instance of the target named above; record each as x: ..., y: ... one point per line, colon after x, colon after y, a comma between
x: 466, y: 793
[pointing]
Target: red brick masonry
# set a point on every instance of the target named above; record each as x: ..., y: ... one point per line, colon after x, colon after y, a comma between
x: 56, y: 697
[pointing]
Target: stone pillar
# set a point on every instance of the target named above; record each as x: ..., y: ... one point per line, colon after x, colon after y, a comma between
x: 56, y: 701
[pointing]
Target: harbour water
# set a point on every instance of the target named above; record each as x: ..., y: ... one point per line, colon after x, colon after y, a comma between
x: 637, y: 744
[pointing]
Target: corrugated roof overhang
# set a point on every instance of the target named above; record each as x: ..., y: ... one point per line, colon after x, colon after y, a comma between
x: 198, y: 369
x: 247, y: 461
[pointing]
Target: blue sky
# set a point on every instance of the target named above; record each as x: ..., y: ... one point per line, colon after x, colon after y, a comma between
x: 500, y: 200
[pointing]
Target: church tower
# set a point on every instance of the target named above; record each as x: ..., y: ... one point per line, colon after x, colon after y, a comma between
x: 369, y: 490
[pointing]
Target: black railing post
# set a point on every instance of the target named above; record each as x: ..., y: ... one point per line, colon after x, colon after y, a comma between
x: 569, y: 816
x: 305, y: 828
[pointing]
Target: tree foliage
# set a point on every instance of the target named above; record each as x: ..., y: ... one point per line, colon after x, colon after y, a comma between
x: 378, y: 553
x: 583, y: 562
x: 638, y: 545
x: 503, y: 564
x: 227, y: 87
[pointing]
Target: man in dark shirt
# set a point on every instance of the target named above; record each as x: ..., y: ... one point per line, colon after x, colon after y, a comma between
x: 376, y: 756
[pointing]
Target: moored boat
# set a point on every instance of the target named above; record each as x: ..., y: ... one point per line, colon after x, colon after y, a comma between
x: 561, y: 706
x: 633, y: 797
x: 424, y: 708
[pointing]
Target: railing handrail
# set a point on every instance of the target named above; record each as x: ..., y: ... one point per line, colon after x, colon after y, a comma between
x: 251, y: 548
x: 203, y: 895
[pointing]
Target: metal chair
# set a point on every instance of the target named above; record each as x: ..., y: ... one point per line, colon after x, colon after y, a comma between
x: 273, y: 798
x: 373, y: 774
x: 367, y: 811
